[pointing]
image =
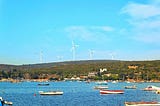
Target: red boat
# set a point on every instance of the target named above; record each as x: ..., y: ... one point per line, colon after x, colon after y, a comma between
x: 111, y: 91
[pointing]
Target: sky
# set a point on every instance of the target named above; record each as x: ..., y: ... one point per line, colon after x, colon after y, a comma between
x: 34, y: 31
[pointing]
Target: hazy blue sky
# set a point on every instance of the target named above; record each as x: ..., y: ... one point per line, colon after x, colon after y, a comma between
x: 30, y: 29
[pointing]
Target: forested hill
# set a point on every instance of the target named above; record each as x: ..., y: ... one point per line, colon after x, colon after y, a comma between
x: 131, y: 69
x: 54, y: 64
x: 99, y: 63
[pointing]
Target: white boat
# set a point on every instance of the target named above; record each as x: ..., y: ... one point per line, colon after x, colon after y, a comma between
x: 111, y: 91
x: 102, y: 83
x: 151, y: 88
x: 114, y: 82
x: 142, y: 104
x: 50, y: 92
x: 158, y: 92
x: 130, y: 87
x: 101, y: 87
x: 2, y: 101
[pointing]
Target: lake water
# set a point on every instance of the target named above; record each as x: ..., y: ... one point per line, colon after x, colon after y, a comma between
x: 75, y: 94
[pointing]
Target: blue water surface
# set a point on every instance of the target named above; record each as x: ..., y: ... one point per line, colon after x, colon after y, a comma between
x: 75, y: 94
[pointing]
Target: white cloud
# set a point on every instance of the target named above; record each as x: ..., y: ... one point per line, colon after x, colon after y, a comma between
x: 145, y: 21
x: 141, y: 11
x: 149, y: 38
x: 102, y: 28
x: 90, y: 33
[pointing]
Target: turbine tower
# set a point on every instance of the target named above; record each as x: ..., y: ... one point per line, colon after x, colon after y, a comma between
x: 41, y: 57
x: 59, y: 58
x: 91, y: 54
x: 112, y: 55
x: 73, y: 49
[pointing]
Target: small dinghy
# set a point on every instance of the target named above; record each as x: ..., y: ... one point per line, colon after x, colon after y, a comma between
x: 50, y: 92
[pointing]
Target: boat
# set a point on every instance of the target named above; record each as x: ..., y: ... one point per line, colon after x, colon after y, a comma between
x: 114, y: 82
x: 50, y: 92
x: 102, y: 83
x: 111, y: 91
x: 101, y: 87
x: 88, y: 81
x: 2, y: 102
x: 151, y: 88
x: 142, y: 104
x: 158, y: 92
x: 43, y: 84
x: 130, y: 87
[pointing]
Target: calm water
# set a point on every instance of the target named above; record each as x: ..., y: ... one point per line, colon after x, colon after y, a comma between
x: 75, y: 94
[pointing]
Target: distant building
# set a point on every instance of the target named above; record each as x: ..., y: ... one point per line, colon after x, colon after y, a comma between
x: 102, y: 70
x: 132, y: 67
x: 108, y: 75
x: 92, y: 74
x: 83, y: 77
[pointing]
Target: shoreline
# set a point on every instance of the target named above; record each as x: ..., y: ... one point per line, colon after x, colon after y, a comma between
x: 82, y: 80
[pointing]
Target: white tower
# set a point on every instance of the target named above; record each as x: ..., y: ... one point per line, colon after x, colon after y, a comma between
x: 112, y: 55
x: 59, y: 58
x: 41, y: 57
x: 73, y: 49
x: 91, y: 54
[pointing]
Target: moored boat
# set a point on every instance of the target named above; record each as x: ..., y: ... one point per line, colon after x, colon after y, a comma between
x: 102, y: 83
x: 142, y: 104
x: 43, y: 84
x: 101, y: 87
x: 158, y: 92
x: 2, y: 102
x: 50, y: 92
x: 130, y: 87
x: 111, y: 91
x: 151, y: 88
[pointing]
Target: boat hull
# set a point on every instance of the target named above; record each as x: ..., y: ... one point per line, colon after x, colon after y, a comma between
x: 101, y: 87
x: 111, y: 91
x: 130, y: 87
x: 142, y: 104
x: 43, y: 84
x: 151, y: 88
x: 51, y: 93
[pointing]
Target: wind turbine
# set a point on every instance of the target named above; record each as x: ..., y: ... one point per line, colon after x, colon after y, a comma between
x: 112, y: 55
x: 91, y: 54
x: 41, y: 57
x: 59, y: 58
x: 73, y: 49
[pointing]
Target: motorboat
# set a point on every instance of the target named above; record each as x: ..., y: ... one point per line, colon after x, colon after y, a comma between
x: 43, y: 84
x: 2, y: 101
x: 102, y: 83
x: 101, y: 87
x: 111, y: 91
x: 142, y: 103
x: 151, y: 88
x: 158, y: 92
x: 130, y: 87
x: 50, y: 92
x: 114, y: 82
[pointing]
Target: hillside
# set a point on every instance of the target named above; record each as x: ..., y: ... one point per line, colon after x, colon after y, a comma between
x: 145, y: 70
